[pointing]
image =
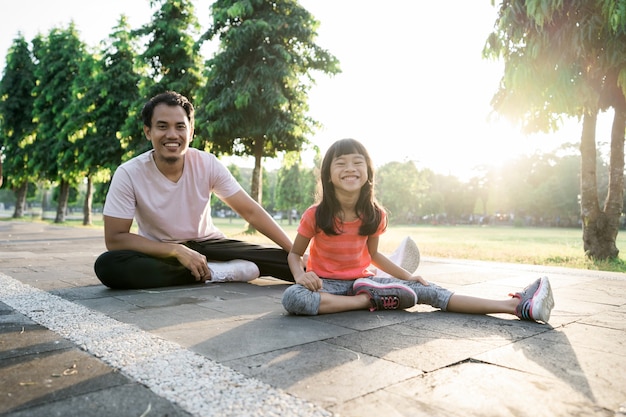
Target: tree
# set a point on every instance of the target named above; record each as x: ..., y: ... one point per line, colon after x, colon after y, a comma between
x: 401, y: 189
x: 55, y: 153
x: 292, y: 193
x: 16, y: 121
x: 102, y: 99
x: 568, y: 58
x: 458, y: 199
x: 173, y: 61
x: 254, y: 102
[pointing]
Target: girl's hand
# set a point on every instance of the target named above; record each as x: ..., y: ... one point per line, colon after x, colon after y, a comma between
x: 419, y: 279
x: 310, y: 281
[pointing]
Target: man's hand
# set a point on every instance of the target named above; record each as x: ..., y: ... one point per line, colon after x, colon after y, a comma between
x: 193, y: 261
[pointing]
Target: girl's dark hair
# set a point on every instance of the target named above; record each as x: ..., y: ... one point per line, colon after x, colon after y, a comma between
x: 367, y: 208
x: 171, y: 98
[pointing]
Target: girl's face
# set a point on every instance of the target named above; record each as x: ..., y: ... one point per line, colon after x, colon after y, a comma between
x: 348, y: 172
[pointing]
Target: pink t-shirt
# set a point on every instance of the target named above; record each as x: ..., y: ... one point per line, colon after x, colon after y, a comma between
x: 343, y: 256
x: 170, y: 211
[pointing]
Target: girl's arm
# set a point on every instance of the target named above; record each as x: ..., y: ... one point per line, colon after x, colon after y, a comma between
x: 309, y: 280
x: 384, y: 264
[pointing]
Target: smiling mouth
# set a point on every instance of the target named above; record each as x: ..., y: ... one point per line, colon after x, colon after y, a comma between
x: 171, y: 145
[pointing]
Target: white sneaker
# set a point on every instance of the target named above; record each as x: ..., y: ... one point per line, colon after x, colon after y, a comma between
x: 235, y: 270
x: 407, y: 255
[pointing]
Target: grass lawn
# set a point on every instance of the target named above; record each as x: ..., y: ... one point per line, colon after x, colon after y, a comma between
x: 536, y: 246
x: 526, y: 245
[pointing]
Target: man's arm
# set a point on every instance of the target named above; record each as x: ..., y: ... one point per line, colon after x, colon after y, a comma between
x: 117, y: 236
x: 260, y: 219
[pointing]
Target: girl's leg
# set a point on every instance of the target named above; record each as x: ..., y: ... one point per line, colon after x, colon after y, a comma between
x: 125, y: 269
x: 474, y: 305
x: 331, y: 303
x: 272, y: 261
x: 331, y: 299
x: 438, y: 297
x: 535, y: 302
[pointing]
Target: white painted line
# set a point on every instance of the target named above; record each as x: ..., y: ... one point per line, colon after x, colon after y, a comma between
x: 200, y: 386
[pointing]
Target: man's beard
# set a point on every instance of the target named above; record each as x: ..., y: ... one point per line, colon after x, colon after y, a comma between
x: 171, y: 160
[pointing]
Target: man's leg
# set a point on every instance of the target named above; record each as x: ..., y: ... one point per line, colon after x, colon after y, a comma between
x: 125, y: 269
x: 272, y: 261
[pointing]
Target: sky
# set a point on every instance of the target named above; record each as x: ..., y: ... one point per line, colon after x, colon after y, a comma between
x: 413, y: 86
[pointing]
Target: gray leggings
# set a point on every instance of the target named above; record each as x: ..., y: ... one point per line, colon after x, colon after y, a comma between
x: 301, y: 301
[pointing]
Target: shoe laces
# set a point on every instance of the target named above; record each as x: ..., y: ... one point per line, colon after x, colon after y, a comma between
x: 389, y: 302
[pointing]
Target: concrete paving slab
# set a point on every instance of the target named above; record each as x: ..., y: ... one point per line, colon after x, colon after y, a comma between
x: 169, y: 317
x: 474, y: 389
x: 22, y: 339
x: 602, y: 339
x: 49, y: 376
x: 228, y: 340
x: 496, y: 330
x: 124, y: 400
x: 613, y: 318
x: 323, y: 372
x: 590, y: 373
x: 365, y: 320
x: 421, y: 349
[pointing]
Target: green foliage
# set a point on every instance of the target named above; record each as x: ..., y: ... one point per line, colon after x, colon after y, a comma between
x: 254, y: 102
x: 16, y: 105
x: 401, y: 190
x: 59, y: 57
x: 173, y: 63
x: 171, y: 51
x: 104, y: 101
x: 295, y: 186
x: 255, y: 99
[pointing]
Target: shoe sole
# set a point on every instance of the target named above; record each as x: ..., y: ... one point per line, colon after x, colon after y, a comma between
x: 411, y: 262
x: 410, y: 259
x: 367, y: 283
x: 543, y: 301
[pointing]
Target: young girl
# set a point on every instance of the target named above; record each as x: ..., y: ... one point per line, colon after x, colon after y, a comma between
x: 344, y: 229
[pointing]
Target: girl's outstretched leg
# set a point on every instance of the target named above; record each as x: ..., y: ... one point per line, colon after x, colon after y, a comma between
x: 534, y: 303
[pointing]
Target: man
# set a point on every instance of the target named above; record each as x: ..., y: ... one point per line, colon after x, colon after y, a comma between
x: 167, y: 190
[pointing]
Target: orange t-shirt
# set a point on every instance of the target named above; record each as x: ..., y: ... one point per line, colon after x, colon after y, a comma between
x: 343, y: 256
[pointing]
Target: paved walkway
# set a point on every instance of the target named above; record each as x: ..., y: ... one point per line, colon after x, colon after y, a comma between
x: 71, y: 347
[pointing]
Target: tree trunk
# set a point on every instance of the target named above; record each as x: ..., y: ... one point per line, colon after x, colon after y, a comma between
x: 600, y: 227
x: 614, y: 203
x: 20, y: 200
x: 88, y: 202
x: 256, y: 187
x: 64, y: 194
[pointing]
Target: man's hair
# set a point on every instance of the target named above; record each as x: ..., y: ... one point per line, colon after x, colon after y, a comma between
x: 171, y: 98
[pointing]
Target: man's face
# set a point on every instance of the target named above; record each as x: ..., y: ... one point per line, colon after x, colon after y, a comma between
x: 170, y: 132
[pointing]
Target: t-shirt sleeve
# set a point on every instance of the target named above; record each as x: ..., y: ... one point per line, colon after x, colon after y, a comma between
x: 120, y: 200
x: 306, y: 227
x: 383, y: 224
x: 224, y: 183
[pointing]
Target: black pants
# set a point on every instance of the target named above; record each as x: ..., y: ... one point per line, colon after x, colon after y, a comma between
x: 125, y: 269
